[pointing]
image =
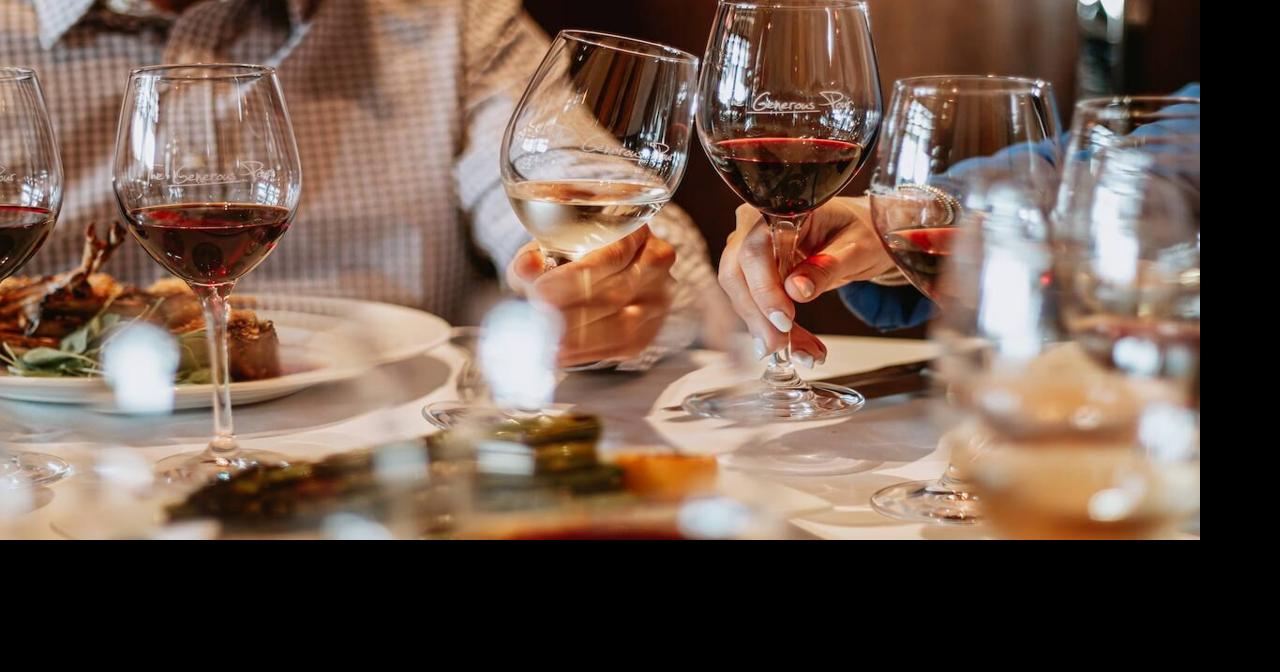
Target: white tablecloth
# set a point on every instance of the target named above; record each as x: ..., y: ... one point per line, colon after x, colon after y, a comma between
x: 892, y: 439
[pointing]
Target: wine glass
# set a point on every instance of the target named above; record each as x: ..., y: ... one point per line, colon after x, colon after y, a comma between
x: 30, y: 199
x: 950, y: 140
x: 1055, y: 445
x: 595, y: 148
x: 207, y: 177
x: 599, y: 141
x: 1127, y: 233
x: 790, y: 110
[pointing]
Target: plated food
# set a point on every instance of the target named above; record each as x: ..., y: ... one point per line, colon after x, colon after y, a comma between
x: 52, y: 329
x: 57, y: 325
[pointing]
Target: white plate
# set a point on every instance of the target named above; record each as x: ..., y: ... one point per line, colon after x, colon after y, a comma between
x: 325, y: 340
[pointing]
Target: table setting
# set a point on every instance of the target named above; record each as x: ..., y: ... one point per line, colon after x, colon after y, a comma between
x: 1057, y: 266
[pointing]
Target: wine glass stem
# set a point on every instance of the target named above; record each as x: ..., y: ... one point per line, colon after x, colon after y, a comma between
x: 213, y: 298
x: 784, y: 232
x: 552, y: 259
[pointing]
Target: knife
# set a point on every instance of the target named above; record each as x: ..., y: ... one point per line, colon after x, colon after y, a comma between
x: 883, y: 382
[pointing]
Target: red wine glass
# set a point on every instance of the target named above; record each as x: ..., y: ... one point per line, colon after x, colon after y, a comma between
x: 789, y: 110
x: 949, y: 141
x: 207, y: 177
x: 30, y: 198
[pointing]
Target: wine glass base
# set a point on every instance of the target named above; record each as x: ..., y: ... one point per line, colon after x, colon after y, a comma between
x: 928, y: 502
x: 29, y: 470
x: 814, y: 401
x: 196, y: 469
x: 450, y: 414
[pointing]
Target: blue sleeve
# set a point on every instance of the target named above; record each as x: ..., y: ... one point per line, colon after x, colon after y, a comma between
x: 890, y: 308
x: 887, y: 308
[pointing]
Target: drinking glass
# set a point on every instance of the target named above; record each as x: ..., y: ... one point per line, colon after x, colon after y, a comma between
x: 950, y: 141
x: 599, y: 141
x: 790, y: 109
x: 207, y: 177
x: 30, y: 199
x: 1055, y: 444
x: 1127, y: 235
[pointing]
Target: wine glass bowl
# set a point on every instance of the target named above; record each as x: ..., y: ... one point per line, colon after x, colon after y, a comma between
x: 789, y: 110
x: 599, y: 141
x: 949, y: 137
x: 207, y: 178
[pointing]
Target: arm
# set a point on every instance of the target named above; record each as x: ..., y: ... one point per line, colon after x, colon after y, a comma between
x: 501, y: 49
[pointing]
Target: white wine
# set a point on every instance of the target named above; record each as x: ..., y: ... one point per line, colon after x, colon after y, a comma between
x: 570, y: 218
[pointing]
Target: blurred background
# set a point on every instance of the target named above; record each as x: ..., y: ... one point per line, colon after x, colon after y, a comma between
x: 1085, y: 47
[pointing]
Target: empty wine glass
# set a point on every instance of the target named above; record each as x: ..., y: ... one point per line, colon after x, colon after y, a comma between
x: 1127, y: 234
x: 1054, y: 444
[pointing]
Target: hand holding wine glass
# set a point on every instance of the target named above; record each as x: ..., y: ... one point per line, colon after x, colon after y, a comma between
x: 619, y: 312
x: 837, y: 246
x: 790, y: 107
x: 594, y: 150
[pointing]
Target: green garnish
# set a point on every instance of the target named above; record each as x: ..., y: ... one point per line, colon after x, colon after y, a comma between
x: 77, y: 355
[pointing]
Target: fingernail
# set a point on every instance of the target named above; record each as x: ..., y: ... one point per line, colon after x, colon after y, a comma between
x: 780, y: 320
x: 804, y: 286
x: 822, y: 359
x: 803, y: 359
x: 761, y: 350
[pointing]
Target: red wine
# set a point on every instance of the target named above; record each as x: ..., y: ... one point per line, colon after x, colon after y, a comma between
x: 921, y: 254
x: 786, y: 176
x: 209, y: 243
x: 23, y: 230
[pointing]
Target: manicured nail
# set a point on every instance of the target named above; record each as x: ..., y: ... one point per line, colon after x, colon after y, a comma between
x: 803, y: 286
x: 761, y: 350
x: 822, y: 359
x: 780, y: 320
x: 803, y: 359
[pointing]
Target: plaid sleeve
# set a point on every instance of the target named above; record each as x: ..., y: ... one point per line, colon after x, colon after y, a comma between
x: 501, y: 49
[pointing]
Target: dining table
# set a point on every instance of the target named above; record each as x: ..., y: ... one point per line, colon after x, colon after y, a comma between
x: 892, y: 439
